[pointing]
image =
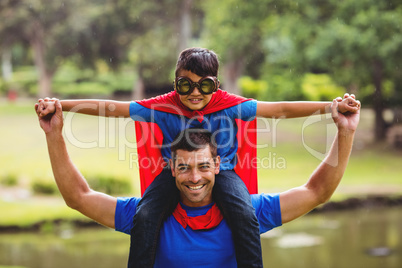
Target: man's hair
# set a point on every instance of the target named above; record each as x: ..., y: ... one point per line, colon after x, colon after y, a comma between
x: 193, y: 139
x: 201, y: 61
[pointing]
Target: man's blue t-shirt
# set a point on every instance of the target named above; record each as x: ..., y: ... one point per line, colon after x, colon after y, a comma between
x: 184, y: 247
x: 222, y: 124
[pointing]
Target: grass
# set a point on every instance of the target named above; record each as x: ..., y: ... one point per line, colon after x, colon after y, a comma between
x: 27, y: 213
x: 101, y: 146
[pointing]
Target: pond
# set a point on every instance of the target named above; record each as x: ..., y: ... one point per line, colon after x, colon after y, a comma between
x: 362, y: 238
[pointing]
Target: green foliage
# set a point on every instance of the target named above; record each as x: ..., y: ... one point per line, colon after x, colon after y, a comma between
x: 275, y: 87
x: 366, y: 93
x: 9, y: 180
x: 109, y: 184
x: 358, y: 43
x: 234, y: 26
x: 83, y: 89
x: 71, y: 81
x: 320, y: 87
x: 22, y: 80
x: 3, y: 87
x: 283, y: 87
x: 43, y: 186
x: 253, y: 88
x: 30, y: 212
x: 122, y: 81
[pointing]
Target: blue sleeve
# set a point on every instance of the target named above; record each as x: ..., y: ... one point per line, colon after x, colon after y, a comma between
x: 245, y: 111
x: 248, y: 110
x: 268, y: 211
x: 139, y: 112
x: 125, y: 211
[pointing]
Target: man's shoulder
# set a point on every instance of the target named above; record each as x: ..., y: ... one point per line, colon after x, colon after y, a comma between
x: 126, y: 208
x: 268, y: 210
x: 263, y: 198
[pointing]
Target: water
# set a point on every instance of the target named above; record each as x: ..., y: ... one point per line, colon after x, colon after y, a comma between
x: 338, y: 239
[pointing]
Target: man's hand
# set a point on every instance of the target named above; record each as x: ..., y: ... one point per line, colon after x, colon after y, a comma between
x: 348, y: 104
x: 347, y: 121
x: 51, y: 122
x: 46, y: 106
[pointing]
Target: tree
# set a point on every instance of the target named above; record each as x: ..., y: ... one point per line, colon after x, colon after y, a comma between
x: 168, y: 29
x: 234, y: 30
x: 49, y: 27
x: 358, y: 42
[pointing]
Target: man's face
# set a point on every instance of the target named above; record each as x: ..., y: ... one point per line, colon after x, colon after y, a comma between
x: 196, y: 100
x: 195, y: 176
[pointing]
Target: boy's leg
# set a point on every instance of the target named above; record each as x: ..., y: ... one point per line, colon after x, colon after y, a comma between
x: 159, y: 200
x: 234, y: 201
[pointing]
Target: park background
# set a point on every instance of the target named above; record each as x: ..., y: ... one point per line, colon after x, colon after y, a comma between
x: 269, y: 50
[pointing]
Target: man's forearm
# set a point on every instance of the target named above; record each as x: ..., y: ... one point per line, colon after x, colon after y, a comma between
x: 328, y: 175
x: 322, y: 183
x: 68, y: 179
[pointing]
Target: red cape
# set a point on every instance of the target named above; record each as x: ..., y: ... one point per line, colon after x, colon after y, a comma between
x: 150, y: 137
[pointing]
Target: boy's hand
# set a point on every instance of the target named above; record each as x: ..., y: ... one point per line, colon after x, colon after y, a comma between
x: 45, y: 107
x: 348, y: 104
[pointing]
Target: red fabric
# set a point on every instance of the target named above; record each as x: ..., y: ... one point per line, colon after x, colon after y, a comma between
x: 170, y: 103
x: 149, y: 141
x: 247, y: 154
x: 150, y: 137
x: 203, y: 222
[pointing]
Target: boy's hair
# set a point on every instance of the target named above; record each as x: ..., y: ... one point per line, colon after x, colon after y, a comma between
x: 192, y: 139
x: 201, y: 61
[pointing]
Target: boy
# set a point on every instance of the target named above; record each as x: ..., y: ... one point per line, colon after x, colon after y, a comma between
x: 197, y: 101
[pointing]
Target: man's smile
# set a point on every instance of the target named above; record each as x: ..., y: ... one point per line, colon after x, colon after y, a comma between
x: 195, y: 188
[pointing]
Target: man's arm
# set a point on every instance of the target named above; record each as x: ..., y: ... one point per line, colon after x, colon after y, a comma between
x: 72, y: 185
x: 108, y: 108
x: 305, y: 108
x: 325, y: 179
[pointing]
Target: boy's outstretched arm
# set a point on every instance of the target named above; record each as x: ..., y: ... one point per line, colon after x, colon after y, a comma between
x: 305, y: 108
x: 108, y: 108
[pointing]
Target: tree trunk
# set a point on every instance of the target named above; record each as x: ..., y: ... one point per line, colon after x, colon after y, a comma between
x: 45, y: 75
x: 231, y: 73
x: 378, y: 101
x: 138, y: 92
x: 6, y: 65
x: 185, y: 25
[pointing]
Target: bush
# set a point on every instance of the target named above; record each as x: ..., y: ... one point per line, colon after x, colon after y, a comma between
x: 109, y: 185
x: 320, y: 87
x: 272, y: 87
x: 253, y: 88
x: 9, y: 180
x: 45, y: 187
x: 88, y: 89
x: 3, y: 87
x: 24, y: 80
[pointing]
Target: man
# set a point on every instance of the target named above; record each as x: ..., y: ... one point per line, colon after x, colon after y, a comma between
x: 197, y: 101
x: 187, y: 240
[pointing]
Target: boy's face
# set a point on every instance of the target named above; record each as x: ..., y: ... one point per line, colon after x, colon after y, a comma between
x: 196, y: 100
